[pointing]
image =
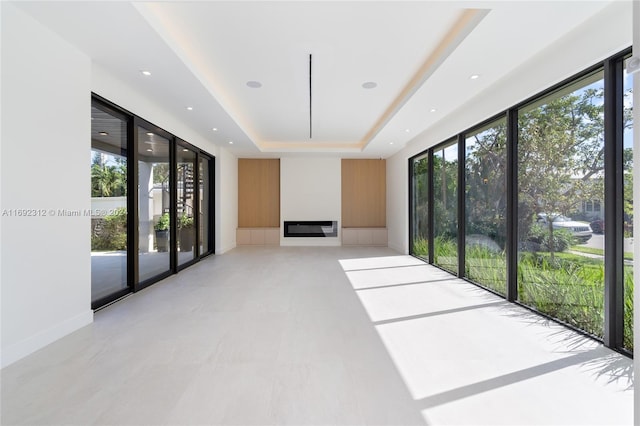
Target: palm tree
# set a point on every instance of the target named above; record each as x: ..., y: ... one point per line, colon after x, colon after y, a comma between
x: 108, y: 180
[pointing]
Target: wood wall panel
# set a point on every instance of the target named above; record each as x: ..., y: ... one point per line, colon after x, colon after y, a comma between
x: 258, y: 193
x: 364, y: 193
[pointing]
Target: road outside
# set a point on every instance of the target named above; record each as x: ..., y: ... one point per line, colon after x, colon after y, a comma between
x: 596, y: 241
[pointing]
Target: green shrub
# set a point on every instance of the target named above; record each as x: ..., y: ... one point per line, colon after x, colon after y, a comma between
x: 486, y: 267
x: 446, y: 252
x: 163, y: 223
x: 185, y: 222
x: 113, y: 235
x: 539, y: 234
x: 570, y: 288
x: 420, y: 247
x: 628, y: 308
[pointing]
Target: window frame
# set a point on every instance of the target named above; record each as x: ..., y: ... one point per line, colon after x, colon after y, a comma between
x: 613, y: 206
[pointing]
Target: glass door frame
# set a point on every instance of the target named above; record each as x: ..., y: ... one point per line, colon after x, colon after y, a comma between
x: 133, y: 203
x: 181, y: 144
x: 200, y: 155
x: 133, y: 122
x: 112, y: 109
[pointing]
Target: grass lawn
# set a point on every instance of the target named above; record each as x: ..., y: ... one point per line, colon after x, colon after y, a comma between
x: 592, y: 250
x: 567, y: 286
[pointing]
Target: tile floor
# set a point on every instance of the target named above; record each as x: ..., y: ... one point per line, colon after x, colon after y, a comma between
x: 322, y: 336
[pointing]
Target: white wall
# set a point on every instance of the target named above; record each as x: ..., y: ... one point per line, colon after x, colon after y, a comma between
x: 226, y: 200
x: 129, y: 98
x: 397, y: 204
x: 604, y: 35
x: 46, y: 277
x: 45, y: 261
x: 310, y: 189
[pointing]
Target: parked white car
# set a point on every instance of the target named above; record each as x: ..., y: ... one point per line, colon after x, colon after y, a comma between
x: 581, y: 230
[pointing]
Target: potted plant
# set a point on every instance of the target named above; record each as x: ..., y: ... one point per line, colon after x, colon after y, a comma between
x: 162, y: 233
x: 185, y: 226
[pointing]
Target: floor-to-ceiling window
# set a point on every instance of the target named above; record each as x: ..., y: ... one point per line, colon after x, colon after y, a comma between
x: 445, y: 211
x: 485, y: 205
x: 108, y: 204
x: 420, y: 206
x: 627, y: 123
x: 547, y: 207
x: 561, y: 164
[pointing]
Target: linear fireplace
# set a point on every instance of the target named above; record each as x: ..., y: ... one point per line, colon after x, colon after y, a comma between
x: 311, y: 228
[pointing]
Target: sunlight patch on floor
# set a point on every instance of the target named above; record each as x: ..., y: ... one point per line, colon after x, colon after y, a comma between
x: 379, y: 262
x: 470, y: 357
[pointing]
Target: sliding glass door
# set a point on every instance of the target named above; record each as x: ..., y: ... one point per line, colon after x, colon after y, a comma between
x: 154, y: 204
x: 151, y: 203
x: 108, y: 205
x: 185, y: 204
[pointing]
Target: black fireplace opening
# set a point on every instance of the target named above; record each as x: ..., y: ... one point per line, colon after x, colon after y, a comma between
x: 311, y: 228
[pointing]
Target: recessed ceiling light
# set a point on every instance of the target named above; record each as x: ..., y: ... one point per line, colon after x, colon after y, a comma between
x: 149, y: 134
x: 145, y: 72
x: 189, y: 108
x: 215, y: 129
x: 474, y: 77
x: 103, y: 133
x: 369, y: 84
x: 185, y: 150
x: 254, y: 84
x: 230, y: 142
x: 149, y: 150
x: 432, y: 110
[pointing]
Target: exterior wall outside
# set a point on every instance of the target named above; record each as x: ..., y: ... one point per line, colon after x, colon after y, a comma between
x: 592, y: 209
x: 101, y: 206
x: 46, y: 276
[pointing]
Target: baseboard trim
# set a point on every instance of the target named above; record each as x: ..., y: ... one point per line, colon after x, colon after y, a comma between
x: 19, y: 350
x: 223, y: 250
x: 398, y: 248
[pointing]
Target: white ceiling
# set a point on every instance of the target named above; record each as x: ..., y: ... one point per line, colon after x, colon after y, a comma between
x: 420, y: 53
